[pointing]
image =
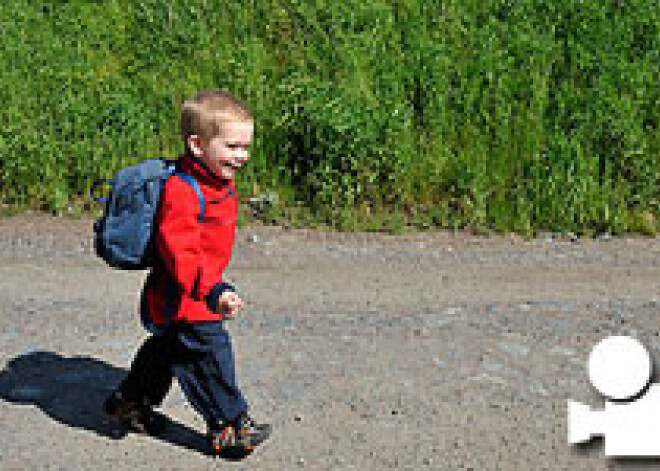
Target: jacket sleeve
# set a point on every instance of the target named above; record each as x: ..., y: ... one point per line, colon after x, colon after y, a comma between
x: 178, y: 236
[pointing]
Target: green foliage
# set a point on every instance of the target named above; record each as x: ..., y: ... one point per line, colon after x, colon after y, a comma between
x: 500, y: 115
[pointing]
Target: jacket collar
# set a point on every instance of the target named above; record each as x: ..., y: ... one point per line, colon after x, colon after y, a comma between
x: 194, y: 167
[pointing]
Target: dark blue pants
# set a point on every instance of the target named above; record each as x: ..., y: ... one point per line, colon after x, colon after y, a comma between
x: 201, y: 357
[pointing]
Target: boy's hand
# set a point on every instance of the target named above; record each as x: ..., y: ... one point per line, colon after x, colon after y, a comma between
x: 229, y: 304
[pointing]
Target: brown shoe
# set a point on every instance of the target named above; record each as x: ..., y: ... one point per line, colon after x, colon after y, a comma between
x: 139, y: 418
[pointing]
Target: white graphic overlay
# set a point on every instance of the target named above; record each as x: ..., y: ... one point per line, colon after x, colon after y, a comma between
x: 620, y: 368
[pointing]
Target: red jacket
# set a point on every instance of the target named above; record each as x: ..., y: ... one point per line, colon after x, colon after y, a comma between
x: 187, y: 279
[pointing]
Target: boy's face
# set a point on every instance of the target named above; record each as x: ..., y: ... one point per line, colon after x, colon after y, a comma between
x: 225, y: 153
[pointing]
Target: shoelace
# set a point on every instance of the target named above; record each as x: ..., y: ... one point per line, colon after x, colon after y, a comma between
x: 224, y: 439
x: 248, y: 424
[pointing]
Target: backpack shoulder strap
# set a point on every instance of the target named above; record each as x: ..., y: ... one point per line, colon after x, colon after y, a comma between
x: 193, y: 183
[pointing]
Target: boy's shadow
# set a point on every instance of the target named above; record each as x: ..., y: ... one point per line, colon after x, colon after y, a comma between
x: 73, y: 390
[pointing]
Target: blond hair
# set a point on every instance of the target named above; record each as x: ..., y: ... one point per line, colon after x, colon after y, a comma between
x: 203, y: 114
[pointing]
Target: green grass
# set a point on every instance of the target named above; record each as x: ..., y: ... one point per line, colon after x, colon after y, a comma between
x: 526, y: 115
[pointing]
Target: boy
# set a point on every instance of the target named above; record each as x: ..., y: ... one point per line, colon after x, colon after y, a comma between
x: 185, y: 300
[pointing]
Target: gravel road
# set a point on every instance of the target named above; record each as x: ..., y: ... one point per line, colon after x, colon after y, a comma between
x: 365, y: 351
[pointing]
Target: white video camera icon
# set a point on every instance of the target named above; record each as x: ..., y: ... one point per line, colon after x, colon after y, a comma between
x: 620, y: 368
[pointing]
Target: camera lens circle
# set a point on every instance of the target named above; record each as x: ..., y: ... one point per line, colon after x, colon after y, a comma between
x: 619, y: 367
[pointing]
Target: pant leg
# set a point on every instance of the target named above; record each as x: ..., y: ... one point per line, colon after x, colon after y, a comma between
x: 150, y: 377
x: 206, y: 372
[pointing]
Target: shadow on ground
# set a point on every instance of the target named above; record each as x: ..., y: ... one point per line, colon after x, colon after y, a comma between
x: 72, y: 391
x: 595, y: 447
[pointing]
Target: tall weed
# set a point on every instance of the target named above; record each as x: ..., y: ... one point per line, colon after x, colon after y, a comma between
x: 498, y: 115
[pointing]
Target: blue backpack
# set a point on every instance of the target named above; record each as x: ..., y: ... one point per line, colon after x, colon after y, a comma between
x: 123, y: 234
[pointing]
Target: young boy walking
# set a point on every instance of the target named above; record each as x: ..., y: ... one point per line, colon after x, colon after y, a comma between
x: 185, y: 300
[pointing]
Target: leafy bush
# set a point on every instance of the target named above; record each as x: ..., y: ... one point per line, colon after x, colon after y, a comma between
x: 499, y: 115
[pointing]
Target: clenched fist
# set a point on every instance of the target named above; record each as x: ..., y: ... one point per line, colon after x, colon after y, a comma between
x: 229, y: 304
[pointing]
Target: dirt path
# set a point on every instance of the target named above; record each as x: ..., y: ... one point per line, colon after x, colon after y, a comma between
x: 429, y: 351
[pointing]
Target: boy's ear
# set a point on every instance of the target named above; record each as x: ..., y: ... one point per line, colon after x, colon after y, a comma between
x: 195, y: 145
